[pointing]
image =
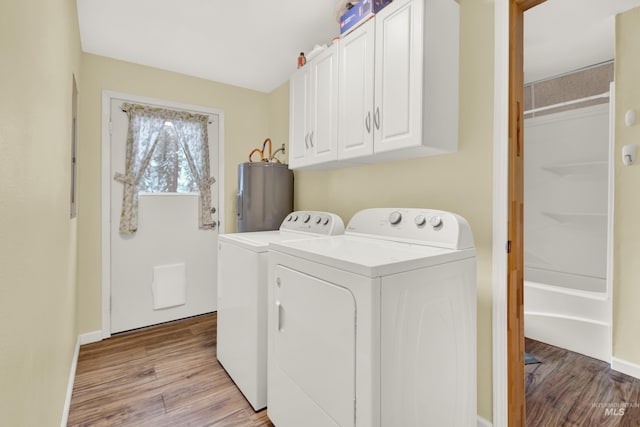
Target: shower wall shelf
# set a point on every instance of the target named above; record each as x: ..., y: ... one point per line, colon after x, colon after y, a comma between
x: 581, y: 168
x: 590, y: 219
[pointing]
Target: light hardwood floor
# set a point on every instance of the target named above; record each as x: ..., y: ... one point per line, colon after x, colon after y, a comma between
x: 569, y: 389
x: 168, y: 375
x: 165, y: 375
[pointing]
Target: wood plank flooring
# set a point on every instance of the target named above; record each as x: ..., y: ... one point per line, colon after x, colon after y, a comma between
x: 569, y: 389
x: 165, y: 375
x: 168, y: 375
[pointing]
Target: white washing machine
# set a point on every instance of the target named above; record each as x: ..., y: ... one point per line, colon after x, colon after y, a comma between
x: 242, y: 297
x: 377, y: 327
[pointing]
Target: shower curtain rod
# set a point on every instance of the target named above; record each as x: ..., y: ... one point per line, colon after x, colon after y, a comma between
x: 563, y: 104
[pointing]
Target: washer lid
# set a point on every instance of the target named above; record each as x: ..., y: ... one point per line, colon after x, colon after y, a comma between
x: 258, y: 241
x: 370, y: 257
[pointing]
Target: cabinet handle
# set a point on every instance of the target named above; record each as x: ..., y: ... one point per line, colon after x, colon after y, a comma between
x: 306, y: 141
x: 279, y: 308
x: 376, y: 118
x: 311, y: 138
x: 367, y: 122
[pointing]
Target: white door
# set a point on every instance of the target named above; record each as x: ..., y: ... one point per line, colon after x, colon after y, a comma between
x: 398, y: 81
x: 355, y: 131
x: 168, y: 235
x: 323, y: 136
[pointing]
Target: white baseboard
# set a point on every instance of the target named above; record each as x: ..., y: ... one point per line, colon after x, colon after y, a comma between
x: 87, y: 338
x: 90, y: 337
x: 625, y: 367
x: 483, y: 422
x: 72, y: 377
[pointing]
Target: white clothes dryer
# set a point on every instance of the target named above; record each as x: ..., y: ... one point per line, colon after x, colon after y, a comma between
x: 376, y: 327
x: 242, y: 297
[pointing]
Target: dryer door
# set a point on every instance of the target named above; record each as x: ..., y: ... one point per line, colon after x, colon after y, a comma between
x: 314, y: 352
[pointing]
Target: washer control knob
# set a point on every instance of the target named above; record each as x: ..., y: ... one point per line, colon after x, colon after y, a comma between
x: 326, y: 221
x: 395, y: 217
x: 289, y: 218
x: 421, y: 220
x: 306, y: 218
x: 318, y: 220
x: 295, y: 217
x: 435, y: 221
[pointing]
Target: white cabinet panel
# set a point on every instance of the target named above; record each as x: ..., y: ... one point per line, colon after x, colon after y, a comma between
x: 299, y: 86
x: 323, y: 132
x: 355, y: 130
x: 313, y: 123
x: 398, y: 84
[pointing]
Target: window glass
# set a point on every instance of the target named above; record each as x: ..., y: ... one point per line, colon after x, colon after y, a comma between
x: 168, y: 170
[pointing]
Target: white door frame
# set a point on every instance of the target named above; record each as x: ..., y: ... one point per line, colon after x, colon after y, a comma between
x: 500, y: 211
x: 107, y: 97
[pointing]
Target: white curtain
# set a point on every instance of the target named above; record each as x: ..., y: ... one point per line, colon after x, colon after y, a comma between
x: 161, y: 145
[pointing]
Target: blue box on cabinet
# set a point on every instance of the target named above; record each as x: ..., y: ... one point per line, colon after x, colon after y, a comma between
x: 359, y: 13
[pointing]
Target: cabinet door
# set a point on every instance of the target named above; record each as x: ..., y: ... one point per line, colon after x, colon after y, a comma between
x: 355, y: 131
x: 398, y: 81
x: 299, y: 86
x: 323, y: 129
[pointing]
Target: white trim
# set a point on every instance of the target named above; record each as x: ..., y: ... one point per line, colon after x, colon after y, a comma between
x: 105, y: 217
x: 482, y: 422
x: 70, y: 382
x: 625, y: 367
x: 500, y: 211
x: 107, y: 96
x: 90, y: 337
x: 610, y: 213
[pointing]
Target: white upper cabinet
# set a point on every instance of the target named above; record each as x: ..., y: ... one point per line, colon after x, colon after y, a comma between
x: 398, y: 83
x: 299, y: 85
x: 356, y: 127
x: 398, y: 89
x: 313, y: 127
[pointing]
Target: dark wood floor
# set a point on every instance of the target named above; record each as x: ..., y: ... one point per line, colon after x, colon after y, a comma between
x: 569, y: 389
x: 166, y: 375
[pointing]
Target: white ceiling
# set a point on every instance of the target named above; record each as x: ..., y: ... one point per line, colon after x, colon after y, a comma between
x: 565, y: 35
x: 255, y: 43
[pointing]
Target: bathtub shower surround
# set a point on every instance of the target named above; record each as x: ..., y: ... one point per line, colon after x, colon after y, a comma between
x: 567, y: 181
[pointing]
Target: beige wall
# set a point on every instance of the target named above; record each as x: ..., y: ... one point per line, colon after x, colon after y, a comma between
x: 39, y: 51
x: 246, y: 127
x: 460, y: 182
x: 626, y: 278
x: 278, y: 110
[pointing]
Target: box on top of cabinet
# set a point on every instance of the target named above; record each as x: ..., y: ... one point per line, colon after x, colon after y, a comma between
x: 359, y: 13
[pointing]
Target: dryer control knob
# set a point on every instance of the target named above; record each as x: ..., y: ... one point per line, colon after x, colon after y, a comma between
x: 395, y: 217
x: 326, y: 221
x: 295, y: 217
x: 421, y: 220
x: 289, y: 218
x: 435, y: 221
x: 318, y: 220
x: 306, y: 218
